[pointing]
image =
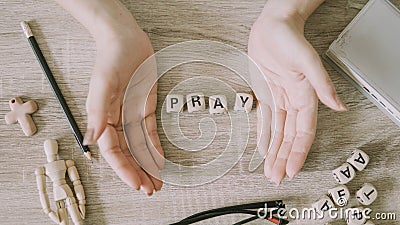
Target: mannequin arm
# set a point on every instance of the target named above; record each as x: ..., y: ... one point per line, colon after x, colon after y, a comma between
x: 44, y: 198
x: 79, y: 192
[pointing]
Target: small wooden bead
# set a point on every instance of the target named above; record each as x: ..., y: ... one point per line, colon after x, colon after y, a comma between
x: 359, y: 159
x: 217, y: 104
x: 344, y: 173
x: 195, y: 102
x: 243, y: 102
x: 367, y: 194
x: 175, y: 103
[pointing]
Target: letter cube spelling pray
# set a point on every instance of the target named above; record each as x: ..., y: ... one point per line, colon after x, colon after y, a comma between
x: 217, y: 103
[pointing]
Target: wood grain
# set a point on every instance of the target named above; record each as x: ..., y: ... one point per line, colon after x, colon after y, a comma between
x: 70, y: 52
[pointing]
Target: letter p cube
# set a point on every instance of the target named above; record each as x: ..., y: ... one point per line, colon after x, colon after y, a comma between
x: 174, y: 103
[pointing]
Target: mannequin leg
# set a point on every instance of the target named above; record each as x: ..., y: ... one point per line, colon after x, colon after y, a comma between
x: 62, y: 212
x: 74, y: 211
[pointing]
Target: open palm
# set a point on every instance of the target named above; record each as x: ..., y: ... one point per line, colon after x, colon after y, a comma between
x: 114, y: 67
x: 297, y: 78
x: 122, y: 47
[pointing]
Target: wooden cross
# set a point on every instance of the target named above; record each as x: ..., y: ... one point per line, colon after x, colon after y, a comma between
x: 20, y: 112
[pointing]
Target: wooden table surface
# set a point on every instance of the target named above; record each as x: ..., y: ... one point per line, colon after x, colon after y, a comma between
x: 70, y: 52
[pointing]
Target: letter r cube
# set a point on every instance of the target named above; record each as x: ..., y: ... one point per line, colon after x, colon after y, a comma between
x: 195, y: 102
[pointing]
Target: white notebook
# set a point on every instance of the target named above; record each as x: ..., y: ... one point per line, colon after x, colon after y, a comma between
x: 368, y: 53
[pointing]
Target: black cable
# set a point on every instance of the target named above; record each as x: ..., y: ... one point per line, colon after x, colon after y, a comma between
x: 244, y: 209
x: 196, y: 219
x: 257, y: 205
x: 283, y: 222
x: 210, y: 215
x: 247, y: 220
x: 280, y: 221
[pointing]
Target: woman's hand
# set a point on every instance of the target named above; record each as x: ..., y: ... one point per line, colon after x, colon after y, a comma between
x: 297, y: 78
x: 121, y: 47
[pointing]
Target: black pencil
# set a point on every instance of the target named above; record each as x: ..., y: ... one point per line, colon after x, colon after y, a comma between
x: 56, y: 90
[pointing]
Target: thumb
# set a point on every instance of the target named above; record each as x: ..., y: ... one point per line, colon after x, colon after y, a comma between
x: 319, y: 79
x: 101, y: 91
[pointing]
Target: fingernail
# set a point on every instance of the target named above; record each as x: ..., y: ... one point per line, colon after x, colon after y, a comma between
x: 150, y: 194
x: 275, y: 182
x: 291, y: 176
x: 88, y: 139
x: 267, y: 172
x: 135, y: 186
x: 342, y: 106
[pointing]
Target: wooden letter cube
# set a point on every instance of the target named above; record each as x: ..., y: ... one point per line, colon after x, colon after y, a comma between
x: 243, y: 102
x: 218, y: 104
x: 358, y: 159
x: 174, y: 103
x: 340, y: 195
x: 344, y: 173
x: 355, y: 216
x: 323, y: 204
x: 367, y: 194
x: 195, y: 102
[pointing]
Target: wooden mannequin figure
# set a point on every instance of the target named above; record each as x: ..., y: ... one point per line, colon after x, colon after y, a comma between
x: 64, y: 198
